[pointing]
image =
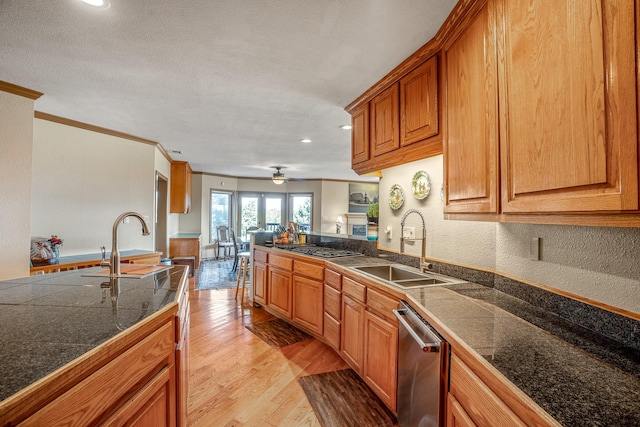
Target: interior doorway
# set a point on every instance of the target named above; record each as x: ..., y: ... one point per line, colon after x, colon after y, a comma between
x: 161, y: 243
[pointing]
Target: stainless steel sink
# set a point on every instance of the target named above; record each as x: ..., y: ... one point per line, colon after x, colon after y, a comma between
x: 404, y: 277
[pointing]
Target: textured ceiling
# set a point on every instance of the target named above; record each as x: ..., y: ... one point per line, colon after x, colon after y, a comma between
x: 234, y: 85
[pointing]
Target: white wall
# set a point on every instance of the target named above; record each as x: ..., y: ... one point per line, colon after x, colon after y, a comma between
x: 335, y: 202
x: 16, y: 136
x: 598, y: 263
x: 83, y: 180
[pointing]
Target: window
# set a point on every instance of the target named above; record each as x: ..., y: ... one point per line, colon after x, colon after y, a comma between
x: 221, y: 212
x: 300, y: 209
x: 262, y: 210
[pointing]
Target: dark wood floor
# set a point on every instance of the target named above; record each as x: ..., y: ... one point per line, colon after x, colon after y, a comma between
x: 239, y: 380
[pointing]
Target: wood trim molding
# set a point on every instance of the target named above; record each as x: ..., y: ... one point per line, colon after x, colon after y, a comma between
x: 19, y: 90
x: 93, y: 128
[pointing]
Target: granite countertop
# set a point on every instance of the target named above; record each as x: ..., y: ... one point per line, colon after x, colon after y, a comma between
x: 579, y: 377
x: 47, y: 321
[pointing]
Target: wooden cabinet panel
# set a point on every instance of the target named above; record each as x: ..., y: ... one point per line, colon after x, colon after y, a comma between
x: 332, y: 331
x: 279, y: 294
x: 456, y: 416
x: 259, y: 282
x: 354, y: 289
x: 332, y: 301
x: 479, y: 402
x: 185, y: 246
x: 381, y: 357
x: 385, y: 132
x: 307, y: 303
x: 182, y: 362
x: 360, y: 135
x: 283, y: 263
x: 180, y: 197
x: 471, y: 127
x: 382, y: 305
x: 333, y: 279
x: 352, y: 339
x: 419, y: 103
x: 260, y: 256
x: 572, y: 145
x: 313, y: 271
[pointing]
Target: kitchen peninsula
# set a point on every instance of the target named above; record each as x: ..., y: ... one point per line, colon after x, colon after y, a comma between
x: 92, y: 350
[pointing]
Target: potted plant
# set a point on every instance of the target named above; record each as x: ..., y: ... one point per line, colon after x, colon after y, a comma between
x: 373, y: 212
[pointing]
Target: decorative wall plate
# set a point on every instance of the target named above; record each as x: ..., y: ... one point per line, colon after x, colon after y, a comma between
x: 421, y: 185
x: 396, y: 197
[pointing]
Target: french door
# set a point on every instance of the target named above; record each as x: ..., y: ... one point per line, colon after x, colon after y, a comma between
x: 266, y: 211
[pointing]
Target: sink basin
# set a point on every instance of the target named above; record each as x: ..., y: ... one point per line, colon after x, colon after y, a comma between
x: 132, y: 271
x: 402, y: 277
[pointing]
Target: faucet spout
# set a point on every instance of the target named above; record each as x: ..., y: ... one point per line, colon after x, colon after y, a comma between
x: 114, y: 260
x: 423, y: 264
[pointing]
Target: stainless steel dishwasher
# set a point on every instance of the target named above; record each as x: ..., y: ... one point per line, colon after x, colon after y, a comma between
x: 423, y: 366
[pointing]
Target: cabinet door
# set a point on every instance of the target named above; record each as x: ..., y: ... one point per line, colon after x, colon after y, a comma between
x: 381, y: 358
x: 385, y: 132
x: 456, y: 416
x: 352, y: 337
x: 419, y: 103
x: 279, y: 293
x: 259, y: 282
x: 182, y: 365
x: 360, y: 135
x: 470, y: 140
x: 307, y: 303
x: 180, y: 197
x: 567, y: 106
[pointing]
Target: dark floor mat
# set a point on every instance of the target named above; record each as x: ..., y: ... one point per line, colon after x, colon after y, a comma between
x: 341, y: 398
x: 278, y: 333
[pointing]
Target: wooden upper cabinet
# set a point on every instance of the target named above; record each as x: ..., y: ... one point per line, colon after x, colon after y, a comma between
x: 180, y: 187
x: 567, y: 106
x: 471, y: 124
x: 360, y: 135
x: 384, y: 110
x: 419, y: 103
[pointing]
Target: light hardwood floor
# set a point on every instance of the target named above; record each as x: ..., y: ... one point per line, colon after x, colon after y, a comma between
x: 239, y: 380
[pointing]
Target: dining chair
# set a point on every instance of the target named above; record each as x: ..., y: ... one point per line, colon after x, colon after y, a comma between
x: 224, y: 241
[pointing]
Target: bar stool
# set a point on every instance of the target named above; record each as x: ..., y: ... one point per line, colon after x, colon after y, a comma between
x: 243, y: 269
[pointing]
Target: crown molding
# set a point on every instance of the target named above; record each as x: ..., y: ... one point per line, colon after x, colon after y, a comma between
x: 19, y: 90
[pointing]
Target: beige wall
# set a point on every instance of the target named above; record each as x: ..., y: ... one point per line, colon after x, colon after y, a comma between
x: 16, y: 136
x: 599, y: 263
x: 83, y: 180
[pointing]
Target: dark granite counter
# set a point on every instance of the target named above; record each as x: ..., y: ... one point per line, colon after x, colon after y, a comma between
x: 47, y: 321
x: 579, y: 377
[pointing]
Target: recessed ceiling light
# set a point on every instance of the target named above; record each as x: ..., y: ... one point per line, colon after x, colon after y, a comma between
x: 305, y: 140
x: 97, y: 3
x: 345, y: 127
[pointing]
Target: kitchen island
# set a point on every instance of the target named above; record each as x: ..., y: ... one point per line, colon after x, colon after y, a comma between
x: 512, y: 363
x: 88, y: 350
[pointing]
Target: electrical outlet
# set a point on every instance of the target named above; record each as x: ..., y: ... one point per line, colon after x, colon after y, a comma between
x: 409, y: 233
x: 534, y: 248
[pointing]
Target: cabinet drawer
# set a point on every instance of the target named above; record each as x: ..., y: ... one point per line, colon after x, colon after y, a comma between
x: 479, y: 402
x: 281, y: 262
x: 381, y: 304
x: 332, y: 331
x: 354, y: 289
x: 260, y: 256
x: 333, y: 279
x: 307, y: 269
x: 332, y: 301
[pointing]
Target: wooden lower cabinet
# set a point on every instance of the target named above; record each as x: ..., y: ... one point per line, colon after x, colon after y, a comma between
x: 456, y: 416
x: 136, y: 386
x: 307, y: 303
x: 381, y: 357
x: 475, y: 401
x: 352, y: 339
x: 279, y: 293
x: 259, y: 282
x: 185, y: 246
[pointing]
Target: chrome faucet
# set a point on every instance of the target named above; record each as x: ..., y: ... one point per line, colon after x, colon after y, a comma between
x: 424, y: 266
x: 114, y: 260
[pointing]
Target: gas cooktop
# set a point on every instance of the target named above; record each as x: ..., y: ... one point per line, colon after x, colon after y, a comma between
x: 319, y: 251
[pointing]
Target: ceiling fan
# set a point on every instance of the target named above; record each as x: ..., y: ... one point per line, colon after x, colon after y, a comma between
x: 278, y: 177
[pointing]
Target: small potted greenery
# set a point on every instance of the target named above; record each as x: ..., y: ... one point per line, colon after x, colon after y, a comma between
x: 373, y: 212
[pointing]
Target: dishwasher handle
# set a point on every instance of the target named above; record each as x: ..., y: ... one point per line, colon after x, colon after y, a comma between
x: 428, y: 347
